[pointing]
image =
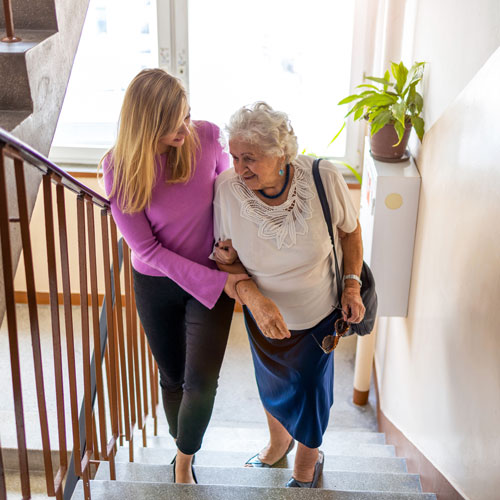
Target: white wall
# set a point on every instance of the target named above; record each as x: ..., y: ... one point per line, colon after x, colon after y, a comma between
x: 439, y: 368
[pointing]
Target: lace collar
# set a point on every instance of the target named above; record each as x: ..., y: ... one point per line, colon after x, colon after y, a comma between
x: 284, y: 222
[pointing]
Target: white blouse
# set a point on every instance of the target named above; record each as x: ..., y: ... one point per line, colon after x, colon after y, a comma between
x: 286, y: 248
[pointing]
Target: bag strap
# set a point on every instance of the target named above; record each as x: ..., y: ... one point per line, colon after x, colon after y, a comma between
x: 328, y: 219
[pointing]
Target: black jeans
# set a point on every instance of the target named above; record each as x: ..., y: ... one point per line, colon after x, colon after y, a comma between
x: 188, y: 342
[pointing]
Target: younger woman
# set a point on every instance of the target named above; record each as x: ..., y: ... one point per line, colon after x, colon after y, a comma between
x: 160, y: 178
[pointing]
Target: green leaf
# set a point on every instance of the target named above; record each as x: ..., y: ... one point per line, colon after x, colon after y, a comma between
x: 400, y: 74
x: 367, y: 85
x: 387, y: 77
x: 400, y: 130
x: 383, y: 118
x: 399, y: 112
x: 348, y: 99
x: 383, y: 81
x: 372, y: 101
x: 359, y: 113
x: 418, y: 125
x: 419, y: 102
x: 337, y: 134
x: 410, y: 86
x: 352, y: 169
x: 375, y: 127
x: 303, y: 151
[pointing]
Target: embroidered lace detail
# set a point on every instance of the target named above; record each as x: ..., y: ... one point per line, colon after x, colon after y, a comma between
x: 284, y: 222
x: 223, y: 141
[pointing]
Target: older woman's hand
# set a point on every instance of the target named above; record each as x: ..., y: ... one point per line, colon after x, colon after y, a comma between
x: 269, y: 319
x: 225, y: 253
x: 353, y: 309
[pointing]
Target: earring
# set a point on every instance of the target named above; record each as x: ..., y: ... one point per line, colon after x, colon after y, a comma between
x: 281, y: 171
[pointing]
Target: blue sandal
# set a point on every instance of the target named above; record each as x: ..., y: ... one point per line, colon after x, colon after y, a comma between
x: 318, y: 469
x: 256, y: 462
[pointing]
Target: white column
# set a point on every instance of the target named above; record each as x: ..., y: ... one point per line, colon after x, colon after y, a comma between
x: 363, y: 367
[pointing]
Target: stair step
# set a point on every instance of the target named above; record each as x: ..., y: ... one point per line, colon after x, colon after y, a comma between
x: 269, y: 478
x: 9, y: 120
x: 367, y: 462
x: 121, y: 490
x: 247, y: 438
x: 29, y: 38
x: 156, y: 455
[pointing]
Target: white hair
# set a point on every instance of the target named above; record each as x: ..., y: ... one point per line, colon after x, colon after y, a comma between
x: 262, y: 126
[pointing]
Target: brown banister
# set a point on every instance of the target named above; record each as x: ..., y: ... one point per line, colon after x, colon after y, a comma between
x: 9, y: 23
x: 120, y: 375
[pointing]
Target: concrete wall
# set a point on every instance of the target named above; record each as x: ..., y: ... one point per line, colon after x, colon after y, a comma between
x: 49, y: 67
x: 439, y: 368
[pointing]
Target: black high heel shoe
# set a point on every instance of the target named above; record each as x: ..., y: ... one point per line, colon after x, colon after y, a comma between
x: 318, y: 469
x: 192, y: 468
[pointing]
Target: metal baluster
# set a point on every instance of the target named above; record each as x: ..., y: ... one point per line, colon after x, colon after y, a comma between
x: 9, y: 23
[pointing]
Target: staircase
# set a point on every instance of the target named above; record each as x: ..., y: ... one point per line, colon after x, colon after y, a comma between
x: 34, y: 75
x: 358, y: 465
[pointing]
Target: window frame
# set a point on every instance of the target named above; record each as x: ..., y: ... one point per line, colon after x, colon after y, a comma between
x: 173, y: 56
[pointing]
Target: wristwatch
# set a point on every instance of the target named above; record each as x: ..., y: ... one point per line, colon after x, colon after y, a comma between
x: 353, y: 277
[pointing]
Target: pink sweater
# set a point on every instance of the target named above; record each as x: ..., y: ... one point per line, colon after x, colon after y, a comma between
x: 174, y: 236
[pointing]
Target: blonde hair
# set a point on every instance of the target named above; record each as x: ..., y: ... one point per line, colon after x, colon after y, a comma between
x: 269, y: 130
x: 155, y: 104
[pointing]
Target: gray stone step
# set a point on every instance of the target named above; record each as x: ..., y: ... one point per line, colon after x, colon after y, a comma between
x: 380, y: 463
x: 11, y: 119
x: 15, y: 92
x: 120, y: 490
x: 248, y: 438
x: 269, y: 478
x: 156, y: 455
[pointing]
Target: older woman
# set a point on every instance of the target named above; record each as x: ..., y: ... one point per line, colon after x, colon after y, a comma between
x: 269, y: 221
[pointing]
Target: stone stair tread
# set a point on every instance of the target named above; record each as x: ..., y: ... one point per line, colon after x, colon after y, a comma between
x: 10, y: 119
x: 121, y: 490
x: 258, y: 436
x: 238, y: 458
x: 276, y: 477
x: 346, y: 449
x: 29, y: 38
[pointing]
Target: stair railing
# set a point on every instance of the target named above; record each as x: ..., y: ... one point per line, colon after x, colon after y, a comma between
x: 9, y: 23
x: 121, y: 374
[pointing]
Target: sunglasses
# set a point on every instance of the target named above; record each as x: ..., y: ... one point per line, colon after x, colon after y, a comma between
x: 330, y: 342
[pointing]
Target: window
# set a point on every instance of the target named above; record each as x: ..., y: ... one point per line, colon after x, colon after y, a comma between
x: 294, y: 55
x: 298, y: 56
x: 118, y: 40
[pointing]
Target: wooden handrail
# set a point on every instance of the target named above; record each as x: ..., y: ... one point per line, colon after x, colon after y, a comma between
x: 43, y: 164
x: 9, y: 23
x: 118, y: 392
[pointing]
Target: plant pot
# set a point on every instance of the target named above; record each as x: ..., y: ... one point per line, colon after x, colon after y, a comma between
x: 381, y: 144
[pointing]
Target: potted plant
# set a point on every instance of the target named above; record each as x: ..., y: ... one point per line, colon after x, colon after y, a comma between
x: 392, y: 110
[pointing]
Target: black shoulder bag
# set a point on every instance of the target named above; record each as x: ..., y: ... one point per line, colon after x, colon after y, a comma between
x: 368, y: 294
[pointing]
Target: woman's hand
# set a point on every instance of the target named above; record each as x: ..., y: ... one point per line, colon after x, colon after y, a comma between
x: 230, y: 286
x: 353, y: 309
x: 225, y: 253
x: 268, y: 318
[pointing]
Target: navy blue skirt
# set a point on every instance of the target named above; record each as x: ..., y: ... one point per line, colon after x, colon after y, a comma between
x: 295, y: 378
